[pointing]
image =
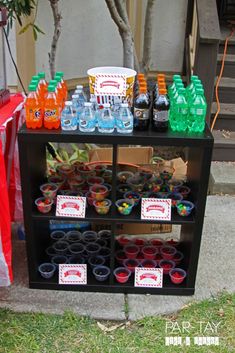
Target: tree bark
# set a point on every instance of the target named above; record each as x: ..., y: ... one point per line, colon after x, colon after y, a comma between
x: 148, y: 31
x: 117, y: 9
x: 57, y: 30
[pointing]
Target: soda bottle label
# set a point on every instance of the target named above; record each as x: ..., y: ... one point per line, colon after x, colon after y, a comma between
x: 183, y: 111
x: 160, y: 115
x: 194, y: 111
x: 35, y: 114
x: 50, y: 114
x: 83, y: 123
x: 141, y: 114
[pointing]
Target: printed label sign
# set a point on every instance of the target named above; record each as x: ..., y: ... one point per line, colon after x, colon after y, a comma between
x: 148, y: 277
x: 71, y: 206
x: 112, y: 85
x: 156, y: 209
x: 72, y: 274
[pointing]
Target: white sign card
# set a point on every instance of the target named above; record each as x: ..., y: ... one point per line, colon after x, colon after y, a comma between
x: 72, y: 274
x: 110, y: 85
x: 156, y: 209
x: 148, y: 277
x: 70, y: 206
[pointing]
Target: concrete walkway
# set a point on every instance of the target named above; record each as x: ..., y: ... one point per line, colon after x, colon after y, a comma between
x: 215, y: 273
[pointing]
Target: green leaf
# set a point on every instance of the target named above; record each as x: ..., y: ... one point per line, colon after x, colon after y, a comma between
x: 38, y: 29
x: 24, y: 29
x: 19, y: 19
x: 35, y: 35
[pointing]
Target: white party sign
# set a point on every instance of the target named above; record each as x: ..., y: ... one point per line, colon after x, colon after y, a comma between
x: 148, y: 277
x: 156, y: 209
x: 72, y: 274
x: 71, y: 206
x: 110, y: 85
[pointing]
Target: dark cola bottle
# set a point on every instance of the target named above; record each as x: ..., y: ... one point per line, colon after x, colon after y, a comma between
x: 161, y: 105
x: 141, y: 109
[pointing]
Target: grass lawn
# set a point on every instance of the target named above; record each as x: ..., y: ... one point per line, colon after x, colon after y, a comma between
x: 44, y: 333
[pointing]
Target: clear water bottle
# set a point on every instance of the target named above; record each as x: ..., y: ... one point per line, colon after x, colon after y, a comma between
x: 76, y: 107
x: 87, y: 118
x: 68, y: 119
x: 80, y: 102
x: 106, y: 123
x: 96, y: 109
x: 124, y: 120
x: 80, y: 87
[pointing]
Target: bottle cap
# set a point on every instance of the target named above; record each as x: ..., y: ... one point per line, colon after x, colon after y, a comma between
x: 34, y: 81
x: 41, y: 74
x: 199, y: 91
x: 53, y: 82
x: 87, y: 104
x: 77, y: 91
x: 124, y: 105
x: 32, y: 88
x: 51, y: 88
x: 79, y: 87
x: 35, y: 77
x: 140, y: 75
x: 74, y: 96
x: 68, y: 103
x: 161, y: 76
x: 57, y: 79
x: 162, y: 91
x: 176, y: 77
x: 181, y: 90
x: 194, y: 77
x: 59, y: 73
x: 106, y: 105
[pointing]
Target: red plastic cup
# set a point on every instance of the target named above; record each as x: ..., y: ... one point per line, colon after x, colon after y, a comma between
x: 167, y: 252
x: 157, y: 242
x: 139, y: 241
x: 166, y: 265
x: 172, y: 242
x: 131, y: 251
x: 131, y: 264
x: 178, y: 257
x: 120, y: 256
x: 177, y: 275
x: 149, y: 263
x: 149, y: 252
x: 122, y: 274
x: 123, y: 240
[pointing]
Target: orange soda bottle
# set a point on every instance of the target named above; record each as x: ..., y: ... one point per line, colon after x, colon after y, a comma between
x: 33, y: 112
x: 51, y: 110
x: 59, y: 92
x: 42, y: 85
x: 63, y: 83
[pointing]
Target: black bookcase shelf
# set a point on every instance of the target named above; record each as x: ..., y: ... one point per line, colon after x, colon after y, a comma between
x: 32, y: 150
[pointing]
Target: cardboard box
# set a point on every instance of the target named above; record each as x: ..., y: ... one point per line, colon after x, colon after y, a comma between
x: 139, y: 156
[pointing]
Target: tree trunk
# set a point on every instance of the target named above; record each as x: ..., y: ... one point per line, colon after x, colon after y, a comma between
x: 57, y: 30
x: 148, y: 30
x: 128, y: 50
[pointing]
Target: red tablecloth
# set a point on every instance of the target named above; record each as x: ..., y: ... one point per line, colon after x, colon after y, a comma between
x: 11, y: 118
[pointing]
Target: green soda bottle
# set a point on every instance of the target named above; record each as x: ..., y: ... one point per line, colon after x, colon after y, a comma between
x: 194, y: 79
x: 176, y: 78
x: 181, y: 111
x: 197, y: 112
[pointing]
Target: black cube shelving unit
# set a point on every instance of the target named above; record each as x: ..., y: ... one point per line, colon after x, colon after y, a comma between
x: 32, y: 150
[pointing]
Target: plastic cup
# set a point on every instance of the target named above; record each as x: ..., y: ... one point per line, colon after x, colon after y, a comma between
x: 123, y: 188
x: 123, y: 240
x: 76, y: 249
x: 92, y: 249
x: 100, y: 169
x: 49, y: 190
x: 50, y: 251
x: 174, y: 184
x: 76, y: 183
x: 101, y: 273
x: 59, y: 259
x: 89, y: 236
x: 184, y: 191
x: 123, y: 176
x: 131, y: 264
x: 146, y: 175
x: 102, y: 207
x: 134, y: 196
x: 140, y: 257
x: 85, y: 171
x: 122, y: 274
x: 43, y: 204
x: 175, y: 197
x: 102, y: 243
x: 139, y: 241
x: 76, y: 260
x: 154, y: 184
x: 89, y: 198
x: 57, y: 235
x: 47, y: 270
x: 105, y: 252
x: 60, y: 247
x: 131, y: 251
x: 166, y: 265
x: 107, y: 176
x: 96, y: 261
x: 177, y: 275
x: 98, y: 192
x: 156, y: 242
x: 95, y: 180
x: 166, y: 173
x: 73, y: 236
x: 184, y: 208
x: 104, y: 234
x: 57, y: 179
x: 109, y: 187
x: 167, y: 252
x: 136, y: 183
x: 149, y: 263
x: 124, y: 206
x: 120, y: 257
x: 149, y: 252
x: 172, y: 241
x: 178, y: 257
x: 65, y: 169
